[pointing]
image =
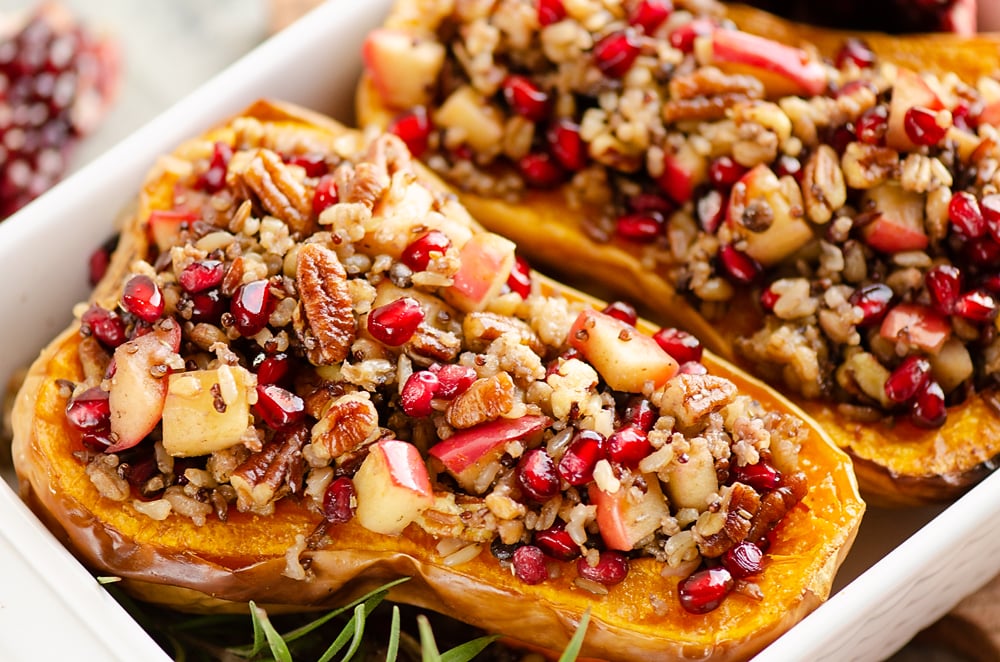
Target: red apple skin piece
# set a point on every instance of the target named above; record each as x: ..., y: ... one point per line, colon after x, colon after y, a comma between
x: 466, y: 447
x: 485, y: 263
x: 623, y: 523
x: 393, y: 487
x: 916, y: 325
x: 626, y: 358
x: 165, y: 226
x: 900, y: 225
x: 908, y: 91
x: 404, y: 67
x: 792, y: 71
x: 137, y: 397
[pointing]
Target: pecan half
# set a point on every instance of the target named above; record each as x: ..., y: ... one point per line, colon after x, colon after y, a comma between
x: 480, y: 329
x: 866, y: 166
x: 691, y: 398
x: 349, y: 422
x: 706, y: 94
x: 740, y: 505
x: 272, y: 472
x: 776, y: 503
x: 823, y: 189
x: 326, y: 299
x: 278, y: 191
x: 486, y: 400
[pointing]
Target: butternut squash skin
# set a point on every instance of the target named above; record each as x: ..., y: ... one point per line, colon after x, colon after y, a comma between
x: 897, y: 465
x: 222, y: 565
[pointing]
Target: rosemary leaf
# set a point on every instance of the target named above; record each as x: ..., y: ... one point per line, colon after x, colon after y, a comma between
x: 428, y: 647
x: 353, y: 630
x: 573, y: 649
x: 258, y: 632
x: 469, y: 650
x: 379, y: 593
x: 278, y: 646
x: 392, y: 650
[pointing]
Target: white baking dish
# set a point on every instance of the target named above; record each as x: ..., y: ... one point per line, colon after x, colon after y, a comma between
x: 906, y: 570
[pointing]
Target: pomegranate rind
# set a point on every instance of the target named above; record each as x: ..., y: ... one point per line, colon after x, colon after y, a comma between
x: 220, y: 565
x: 897, y: 465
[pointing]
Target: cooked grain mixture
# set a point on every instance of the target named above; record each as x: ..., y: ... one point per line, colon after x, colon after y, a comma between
x: 315, y: 325
x: 858, y: 203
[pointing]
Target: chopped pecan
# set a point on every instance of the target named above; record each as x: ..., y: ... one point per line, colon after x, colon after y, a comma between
x: 278, y: 191
x: 233, y: 278
x: 823, y: 189
x: 700, y: 108
x: 487, y: 399
x: 740, y: 505
x: 776, y: 503
x: 480, y: 329
x: 318, y: 394
x: 462, y: 517
x: 430, y: 343
x: 349, y: 422
x: 325, y: 296
x: 866, y: 166
x: 691, y: 398
x: 272, y: 472
x: 706, y: 94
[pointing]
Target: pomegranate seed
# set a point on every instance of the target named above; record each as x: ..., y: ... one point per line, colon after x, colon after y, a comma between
x: 711, y: 210
x: 453, y: 379
x: 566, y: 145
x: 207, y: 306
x: 615, y: 53
x: 841, y: 137
x: 611, y: 568
x: 990, y: 207
x: 550, y: 11
x: 761, y: 476
x: 214, y: 178
x: 857, y: 52
x: 873, y: 300
x: 922, y: 127
x: 724, y: 172
x: 558, y: 544
x: 525, y: 97
x: 536, y: 474
x: 576, y: 466
x: 271, y: 368
x: 89, y: 410
x: 519, y: 280
x: 417, y: 393
x: 623, y: 311
x: 963, y: 117
x: 639, y: 413
x: 789, y: 165
x: 99, y: 260
x: 679, y: 344
x: 628, y: 446
x: 929, y: 408
x: 907, y: 379
x: 396, y: 322
x: 540, y: 170
x: 966, y: 216
x: 944, y: 284
x: 642, y: 228
x: 278, y: 407
x: 692, y: 368
x: 651, y: 202
x: 529, y: 564
x: 983, y: 252
x: 683, y: 37
x: 325, y: 195
x: 142, y: 298
x: 414, y: 129
x: 202, y: 275
x: 340, y: 501
x: 872, y: 125
x: 650, y: 14
x: 738, y: 266
x: 418, y: 254
x: 705, y: 590
x: 768, y: 298
x: 251, y: 307
x: 314, y: 164
x: 743, y: 559
x: 977, y: 306
x: 105, y: 325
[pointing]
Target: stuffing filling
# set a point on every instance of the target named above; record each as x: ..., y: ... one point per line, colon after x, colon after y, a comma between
x: 855, y: 203
x: 315, y: 325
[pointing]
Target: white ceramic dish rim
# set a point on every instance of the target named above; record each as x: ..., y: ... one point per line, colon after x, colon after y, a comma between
x: 892, y: 585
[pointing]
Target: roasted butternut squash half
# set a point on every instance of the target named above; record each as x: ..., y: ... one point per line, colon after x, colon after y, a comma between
x: 309, y: 371
x: 818, y: 206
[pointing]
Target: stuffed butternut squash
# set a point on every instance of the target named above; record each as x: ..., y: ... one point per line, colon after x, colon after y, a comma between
x: 309, y: 371
x: 833, y: 224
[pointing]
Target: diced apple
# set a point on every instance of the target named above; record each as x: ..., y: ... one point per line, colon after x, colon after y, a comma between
x: 165, y: 226
x: 206, y: 410
x: 624, y: 357
x: 467, y: 453
x: 952, y: 365
x: 908, y: 91
x: 869, y: 375
x: 916, y: 325
x: 683, y: 170
x: 393, y: 487
x: 784, y: 70
x: 485, y: 264
x: 788, y: 230
x: 691, y: 484
x: 404, y: 67
x: 139, y: 385
x: 899, y: 225
x: 624, y: 520
x: 467, y: 112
